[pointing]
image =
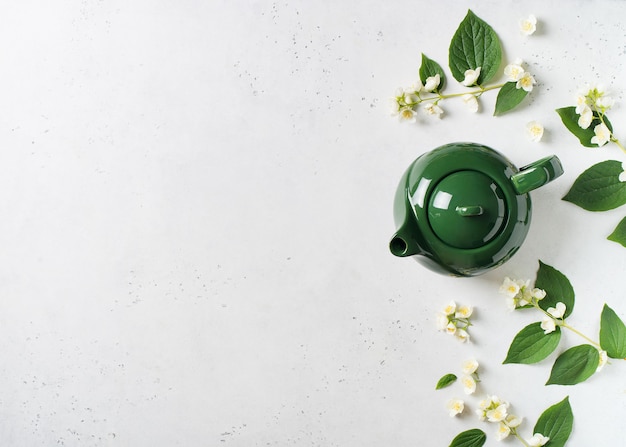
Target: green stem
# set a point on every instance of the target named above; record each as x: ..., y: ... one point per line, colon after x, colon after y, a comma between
x: 473, y: 92
x: 520, y: 438
x: 613, y: 139
x: 562, y: 323
x: 616, y: 141
x: 438, y: 97
x: 575, y: 331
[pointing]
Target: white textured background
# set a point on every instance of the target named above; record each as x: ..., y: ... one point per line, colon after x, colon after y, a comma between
x: 196, y: 201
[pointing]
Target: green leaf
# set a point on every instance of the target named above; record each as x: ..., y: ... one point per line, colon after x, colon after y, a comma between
x: 575, y: 365
x: 469, y: 438
x: 599, y: 187
x: 431, y: 68
x: 570, y: 119
x: 619, y: 234
x: 557, y: 287
x: 445, y: 381
x: 556, y: 423
x: 612, y: 334
x: 508, y: 98
x: 531, y: 345
x: 474, y: 44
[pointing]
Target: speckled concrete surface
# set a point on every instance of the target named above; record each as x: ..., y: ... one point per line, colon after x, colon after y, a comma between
x: 196, y: 205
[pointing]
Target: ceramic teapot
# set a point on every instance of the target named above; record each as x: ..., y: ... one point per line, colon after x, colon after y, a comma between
x: 464, y: 208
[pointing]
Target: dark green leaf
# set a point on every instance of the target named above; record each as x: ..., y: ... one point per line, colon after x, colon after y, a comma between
x: 508, y: 98
x: 556, y: 423
x: 531, y: 345
x: 575, y: 365
x: 445, y: 381
x: 469, y: 438
x: 570, y: 119
x: 557, y: 287
x: 619, y: 234
x: 612, y: 334
x: 431, y: 68
x: 599, y: 187
x: 474, y: 44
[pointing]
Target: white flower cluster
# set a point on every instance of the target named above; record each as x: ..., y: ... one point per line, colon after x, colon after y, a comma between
x: 592, y: 102
x: 469, y: 380
x: 455, y: 320
x: 519, y: 293
x: 515, y: 72
x: 548, y: 324
x: 493, y: 409
x: 405, y: 102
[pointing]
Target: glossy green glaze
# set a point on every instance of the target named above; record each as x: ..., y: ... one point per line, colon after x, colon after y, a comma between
x: 464, y: 208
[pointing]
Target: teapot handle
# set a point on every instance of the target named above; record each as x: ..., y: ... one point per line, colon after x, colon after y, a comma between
x: 536, y: 174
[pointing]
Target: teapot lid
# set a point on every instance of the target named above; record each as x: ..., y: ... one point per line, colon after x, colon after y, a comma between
x: 467, y: 209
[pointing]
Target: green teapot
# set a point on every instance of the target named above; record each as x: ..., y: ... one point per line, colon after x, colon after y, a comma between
x: 464, y: 208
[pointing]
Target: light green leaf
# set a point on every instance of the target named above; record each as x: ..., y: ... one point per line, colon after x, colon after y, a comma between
x: 575, y: 365
x: 619, y: 234
x: 570, y: 119
x: 531, y: 345
x: 431, y: 68
x: 612, y: 334
x: 474, y: 44
x: 508, y: 98
x: 599, y: 187
x: 557, y: 287
x: 556, y: 423
x: 445, y: 381
x: 469, y: 438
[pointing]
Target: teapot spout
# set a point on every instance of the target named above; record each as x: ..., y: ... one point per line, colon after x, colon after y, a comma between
x: 403, y: 246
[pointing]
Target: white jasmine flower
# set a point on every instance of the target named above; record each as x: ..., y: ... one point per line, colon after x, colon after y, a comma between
x: 622, y: 175
x: 462, y: 335
x: 469, y: 366
x: 538, y: 440
x: 433, y: 109
x: 451, y: 328
x: 603, y: 135
x: 581, y: 102
x: 528, y: 25
x: 514, y: 71
x: 411, y: 98
x: 450, y: 309
x: 497, y: 414
x: 471, y: 76
x: 469, y: 384
x: 548, y: 325
x: 503, y: 431
x: 408, y: 114
x: 511, y: 303
x: 455, y: 406
x: 526, y: 82
x: 558, y: 311
x: 513, y: 421
x: 603, y: 359
x: 509, y: 287
x: 604, y: 103
x: 471, y: 102
x: 538, y: 294
x: 442, y: 321
x: 432, y: 83
x: 393, y: 106
x: 534, y: 130
x: 585, y: 118
x: 464, y: 312
x: 415, y: 87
